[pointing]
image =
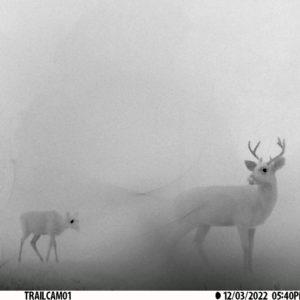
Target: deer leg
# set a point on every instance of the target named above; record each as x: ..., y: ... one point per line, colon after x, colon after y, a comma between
x: 251, y: 232
x: 180, y: 230
x: 199, y: 238
x: 244, y: 236
x: 49, y: 249
x: 55, y: 250
x: 33, y: 244
x: 24, y: 237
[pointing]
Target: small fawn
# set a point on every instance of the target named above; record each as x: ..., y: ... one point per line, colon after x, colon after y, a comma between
x: 45, y: 223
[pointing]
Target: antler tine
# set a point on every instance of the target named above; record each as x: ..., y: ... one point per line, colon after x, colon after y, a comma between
x: 256, y: 146
x: 281, y: 144
x: 253, y: 151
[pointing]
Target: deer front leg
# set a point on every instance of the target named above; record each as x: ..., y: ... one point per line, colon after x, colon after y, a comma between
x: 33, y: 244
x: 245, y: 242
x: 55, y: 249
x: 49, y: 249
x: 251, y: 232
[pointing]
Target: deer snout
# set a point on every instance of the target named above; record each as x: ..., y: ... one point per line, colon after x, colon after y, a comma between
x: 77, y: 228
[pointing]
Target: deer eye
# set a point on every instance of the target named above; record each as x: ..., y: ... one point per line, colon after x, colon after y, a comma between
x: 72, y: 221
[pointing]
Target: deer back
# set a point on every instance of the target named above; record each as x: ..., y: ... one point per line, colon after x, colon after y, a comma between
x: 42, y: 222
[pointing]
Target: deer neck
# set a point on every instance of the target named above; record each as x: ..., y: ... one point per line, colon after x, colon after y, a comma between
x: 64, y: 226
x: 264, y: 203
x: 268, y: 191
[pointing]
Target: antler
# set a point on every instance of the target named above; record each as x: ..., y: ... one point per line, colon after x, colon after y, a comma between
x: 281, y: 144
x: 253, y: 151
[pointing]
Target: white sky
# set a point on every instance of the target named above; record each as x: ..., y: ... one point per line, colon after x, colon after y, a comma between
x: 132, y: 93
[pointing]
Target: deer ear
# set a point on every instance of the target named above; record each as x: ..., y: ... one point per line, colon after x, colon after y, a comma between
x: 278, y: 163
x: 250, y: 165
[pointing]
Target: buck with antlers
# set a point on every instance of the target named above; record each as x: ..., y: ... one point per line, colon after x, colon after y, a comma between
x: 245, y: 206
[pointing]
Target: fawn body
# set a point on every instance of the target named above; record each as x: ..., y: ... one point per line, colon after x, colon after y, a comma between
x: 45, y: 223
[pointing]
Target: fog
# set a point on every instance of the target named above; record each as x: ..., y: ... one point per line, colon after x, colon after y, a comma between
x: 112, y: 108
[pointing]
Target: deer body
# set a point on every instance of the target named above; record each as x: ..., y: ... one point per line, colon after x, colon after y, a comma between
x: 45, y: 223
x: 245, y: 206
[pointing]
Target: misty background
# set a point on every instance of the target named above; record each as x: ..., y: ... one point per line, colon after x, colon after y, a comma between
x: 102, y: 101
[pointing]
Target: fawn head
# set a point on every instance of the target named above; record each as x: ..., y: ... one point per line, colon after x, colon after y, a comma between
x: 264, y: 172
x: 72, y: 221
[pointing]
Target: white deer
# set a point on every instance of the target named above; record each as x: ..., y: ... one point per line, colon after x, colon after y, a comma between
x: 45, y: 223
x: 245, y: 206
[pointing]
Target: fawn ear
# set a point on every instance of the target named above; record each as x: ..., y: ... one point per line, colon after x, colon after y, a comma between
x: 250, y: 165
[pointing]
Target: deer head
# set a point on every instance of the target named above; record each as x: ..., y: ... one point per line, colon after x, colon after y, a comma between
x: 72, y: 221
x: 263, y: 173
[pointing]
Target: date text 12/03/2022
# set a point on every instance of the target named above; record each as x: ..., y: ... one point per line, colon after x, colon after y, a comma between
x: 261, y: 295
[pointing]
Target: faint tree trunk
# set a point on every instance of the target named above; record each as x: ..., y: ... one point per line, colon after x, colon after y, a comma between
x: 13, y: 178
x: 11, y: 173
x: 13, y: 169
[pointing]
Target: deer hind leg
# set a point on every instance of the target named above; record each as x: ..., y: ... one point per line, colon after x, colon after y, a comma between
x: 23, y: 238
x: 33, y: 244
x: 199, y: 238
x: 49, y: 249
x: 178, y: 232
x: 247, y: 241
